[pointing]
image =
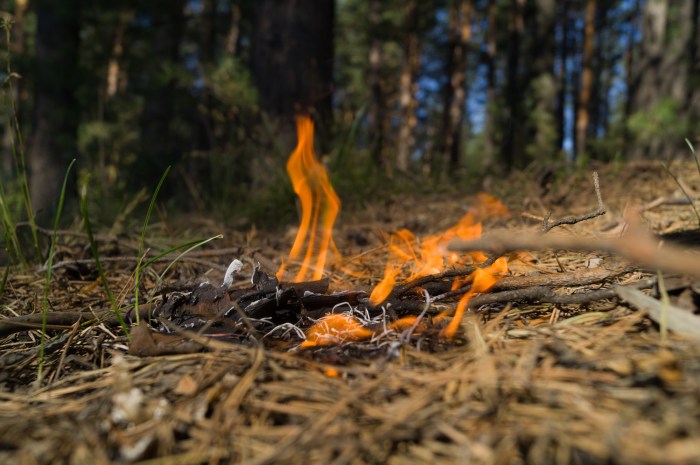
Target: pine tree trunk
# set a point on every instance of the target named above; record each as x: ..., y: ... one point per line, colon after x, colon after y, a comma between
x: 161, y: 145
x: 455, y: 90
x: 377, y: 112
x: 664, y: 78
x: 562, y: 81
x: 53, y: 141
x: 408, y: 87
x: 513, y: 155
x: 490, y: 126
x: 292, y: 60
x: 584, y: 96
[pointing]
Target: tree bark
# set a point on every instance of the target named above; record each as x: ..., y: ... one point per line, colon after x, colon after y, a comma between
x: 490, y: 126
x: 664, y: 76
x: 584, y: 97
x: 377, y: 112
x: 562, y: 81
x: 456, y: 87
x: 292, y: 60
x: 512, y: 143
x: 56, y: 114
x: 161, y: 145
x: 408, y: 86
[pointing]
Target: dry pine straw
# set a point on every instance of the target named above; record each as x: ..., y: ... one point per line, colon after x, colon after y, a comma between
x: 587, y: 393
x: 524, y: 385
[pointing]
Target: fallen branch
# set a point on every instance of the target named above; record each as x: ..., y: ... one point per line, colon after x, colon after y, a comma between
x: 639, y: 249
x: 547, y: 226
x: 679, y: 320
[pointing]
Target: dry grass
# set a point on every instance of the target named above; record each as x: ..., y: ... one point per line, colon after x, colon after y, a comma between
x: 523, y: 384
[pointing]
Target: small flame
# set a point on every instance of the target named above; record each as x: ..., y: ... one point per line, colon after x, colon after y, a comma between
x: 430, y: 255
x: 482, y: 279
x: 334, y: 329
x: 319, y: 206
x: 338, y: 327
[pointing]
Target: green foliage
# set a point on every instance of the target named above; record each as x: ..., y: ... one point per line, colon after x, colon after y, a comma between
x: 231, y: 84
x: 542, y: 124
x: 96, y: 256
x: 664, y: 120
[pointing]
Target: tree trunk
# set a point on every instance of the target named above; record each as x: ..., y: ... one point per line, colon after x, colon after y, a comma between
x: 512, y: 143
x: 584, y: 97
x: 377, y: 112
x: 292, y: 60
x: 234, y: 31
x: 408, y: 86
x: 116, y: 81
x: 490, y: 126
x: 663, y: 78
x: 456, y: 87
x: 562, y: 81
x: 161, y: 145
x: 56, y: 114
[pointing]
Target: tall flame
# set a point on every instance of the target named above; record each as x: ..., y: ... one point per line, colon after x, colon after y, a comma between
x: 319, y: 206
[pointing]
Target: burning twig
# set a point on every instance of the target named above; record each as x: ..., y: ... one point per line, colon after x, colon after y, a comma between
x: 547, y: 226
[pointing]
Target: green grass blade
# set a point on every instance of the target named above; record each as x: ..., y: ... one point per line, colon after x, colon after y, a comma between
x: 49, y: 267
x: 141, y: 241
x: 17, y: 148
x: 188, y: 250
x: 96, y: 257
x: 680, y: 186
x: 695, y: 155
x: 191, y: 244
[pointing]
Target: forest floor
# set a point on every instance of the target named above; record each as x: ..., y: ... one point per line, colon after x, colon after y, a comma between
x: 524, y: 381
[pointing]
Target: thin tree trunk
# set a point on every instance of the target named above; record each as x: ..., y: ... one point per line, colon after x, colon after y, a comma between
x: 160, y: 144
x: 512, y: 146
x: 584, y: 97
x: 490, y: 126
x: 53, y: 142
x: 377, y: 112
x: 234, y: 31
x: 116, y: 81
x: 455, y: 90
x: 292, y: 61
x: 408, y: 87
x: 562, y: 81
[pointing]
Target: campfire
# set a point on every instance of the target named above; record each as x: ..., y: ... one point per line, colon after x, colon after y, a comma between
x: 297, y: 304
x: 428, y: 283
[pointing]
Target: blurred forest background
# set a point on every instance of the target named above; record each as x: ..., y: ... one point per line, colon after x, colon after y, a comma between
x: 405, y: 93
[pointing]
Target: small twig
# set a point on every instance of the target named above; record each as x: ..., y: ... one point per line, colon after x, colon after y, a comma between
x: 414, y: 326
x: 547, y: 226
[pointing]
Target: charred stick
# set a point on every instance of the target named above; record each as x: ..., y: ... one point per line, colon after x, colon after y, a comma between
x: 401, y: 290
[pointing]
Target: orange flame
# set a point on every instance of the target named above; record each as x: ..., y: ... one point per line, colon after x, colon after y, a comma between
x: 430, y: 255
x: 339, y: 327
x: 482, y: 279
x: 319, y: 206
x: 334, y: 329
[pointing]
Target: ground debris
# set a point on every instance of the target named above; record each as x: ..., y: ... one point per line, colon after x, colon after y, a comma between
x: 558, y: 371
